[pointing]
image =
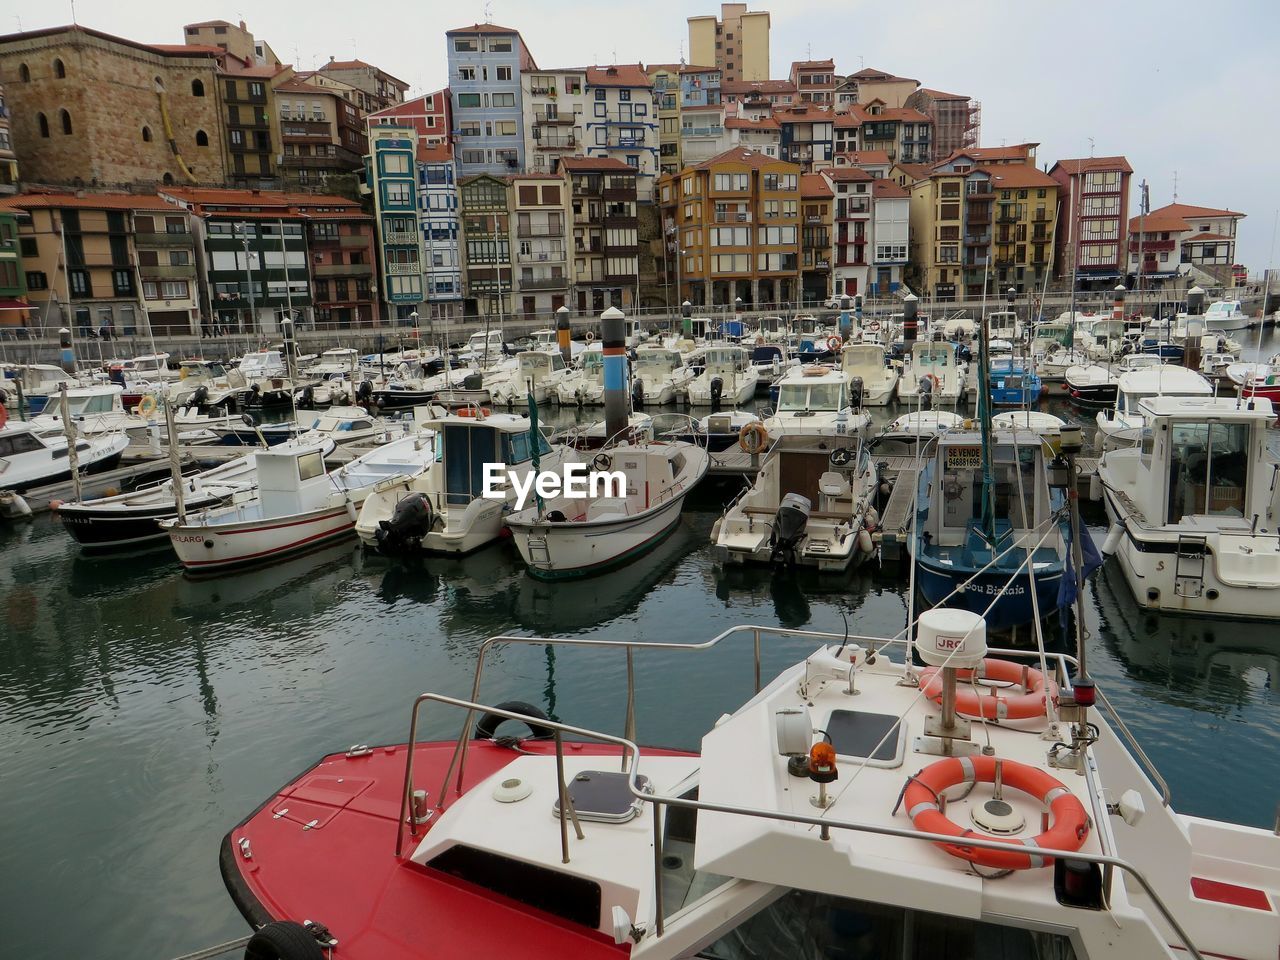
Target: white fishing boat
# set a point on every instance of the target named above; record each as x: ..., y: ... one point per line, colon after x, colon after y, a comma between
x: 483, y: 348
x: 905, y: 434
x: 29, y: 458
x: 1193, y: 509
x: 299, y: 504
x: 1224, y: 315
x: 206, y: 384
x: 267, y: 382
x: 94, y: 411
x: 937, y: 363
x: 548, y: 339
x: 814, y: 400
x: 584, y: 385
x: 658, y: 375
x: 538, y: 372
x: 810, y: 505
x: 727, y: 377
x: 868, y: 363
x: 578, y: 536
x: 1122, y: 425
x: 444, y: 510
x: 1028, y: 421
x: 40, y: 383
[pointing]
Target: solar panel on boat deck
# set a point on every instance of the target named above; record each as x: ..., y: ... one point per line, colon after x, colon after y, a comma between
x: 857, y: 733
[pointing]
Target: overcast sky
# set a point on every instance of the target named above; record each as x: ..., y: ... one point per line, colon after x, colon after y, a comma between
x: 1188, y: 90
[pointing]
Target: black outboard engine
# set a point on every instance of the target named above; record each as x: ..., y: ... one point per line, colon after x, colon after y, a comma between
x: 789, y: 528
x: 926, y: 393
x: 473, y: 381
x: 306, y: 398
x: 855, y: 393
x: 410, y: 521
x: 717, y: 391
x: 637, y: 393
x: 199, y: 397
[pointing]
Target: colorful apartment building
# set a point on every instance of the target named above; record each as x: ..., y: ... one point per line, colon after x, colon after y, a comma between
x: 808, y: 135
x: 430, y: 115
x: 851, y: 223
x: 391, y: 178
x: 252, y: 121
x: 622, y: 122
x: 899, y: 132
x: 775, y: 93
x: 322, y: 136
x: 555, y: 116
x: 440, y: 223
x: 235, y: 39
x: 378, y: 89
x: 763, y: 135
x: 738, y: 224
x: 540, y: 211
x: 485, y: 63
x: 815, y: 81
x: 737, y: 43
x: 1184, y: 240
x: 665, y: 78
x: 817, y: 203
x: 485, y: 212
x: 890, y: 235
x: 870, y: 84
x: 1092, y: 245
x: 957, y: 119
x: 603, y: 198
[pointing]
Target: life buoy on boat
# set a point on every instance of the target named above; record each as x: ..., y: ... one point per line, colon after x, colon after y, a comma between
x: 147, y: 405
x: 834, y: 343
x: 490, y: 722
x: 1025, y: 706
x: 753, y: 437
x: 1070, y: 822
x: 480, y: 412
x: 933, y: 379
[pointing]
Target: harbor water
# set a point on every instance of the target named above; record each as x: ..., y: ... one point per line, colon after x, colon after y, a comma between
x: 143, y: 713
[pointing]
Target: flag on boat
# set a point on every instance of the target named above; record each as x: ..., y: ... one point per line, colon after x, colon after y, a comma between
x: 534, y: 437
x: 1092, y: 561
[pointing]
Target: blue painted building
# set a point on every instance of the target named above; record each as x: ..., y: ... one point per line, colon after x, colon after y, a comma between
x: 438, y: 218
x: 485, y: 62
x: 622, y: 121
x: 391, y: 176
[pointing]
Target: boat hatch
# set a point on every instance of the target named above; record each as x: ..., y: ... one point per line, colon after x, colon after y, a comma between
x: 870, y: 737
x: 466, y: 450
x: 575, y: 899
x: 604, y: 797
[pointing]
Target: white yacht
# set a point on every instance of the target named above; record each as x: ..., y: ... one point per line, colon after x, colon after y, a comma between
x: 814, y: 400
x: 584, y: 386
x: 938, y: 363
x: 31, y: 459
x: 1194, y: 508
x: 94, y: 410
x: 1224, y: 315
x: 810, y: 505
x: 867, y: 363
x: 1121, y: 425
x: 659, y: 375
x: 727, y: 377
x: 539, y: 372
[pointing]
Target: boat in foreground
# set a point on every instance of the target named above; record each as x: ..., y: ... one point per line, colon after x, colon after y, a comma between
x: 808, y: 823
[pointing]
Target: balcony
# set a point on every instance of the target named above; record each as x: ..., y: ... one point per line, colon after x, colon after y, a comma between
x: 163, y: 239
x: 1041, y: 218
x: 1006, y: 218
x: 733, y: 216
x: 401, y: 237
x: 544, y: 283
x: 540, y: 230
x: 707, y: 131
x: 1040, y: 238
x: 619, y: 222
x: 1152, y: 246
x: 541, y: 116
x: 545, y: 141
x: 391, y: 269
x: 167, y: 271
x: 977, y: 240
x: 358, y: 269
x: 625, y: 194
x: 984, y: 192
x: 978, y: 219
x: 541, y: 256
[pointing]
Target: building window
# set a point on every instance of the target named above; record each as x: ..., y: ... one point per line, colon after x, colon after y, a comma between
x: 237, y: 138
x: 59, y: 69
x: 256, y: 90
x: 24, y: 73
x: 500, y: 46
x: 197, y: 88
x: 146, y: 134
x: 503, y: 99
x: 122, y: 281
x: 202, y: 138
x: 502, y: 73
x: 80, y: 286
x: 395, y: 163
x: 466, y: 73
x: 466, y: 45
x: 44, y: 123
x: 37, y: 281
x: 468, y: 100
x: 66, y: 122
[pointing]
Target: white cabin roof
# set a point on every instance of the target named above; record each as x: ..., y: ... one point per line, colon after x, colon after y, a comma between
x: 1217, y: 408
x: 1165, y: 378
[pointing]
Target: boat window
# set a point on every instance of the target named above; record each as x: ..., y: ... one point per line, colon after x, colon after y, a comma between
x: 593, y: 360
x: 1208, y: 469
x: 681, y: 883
x: 18, y: 443
x: 516, y: 447
x: 819, y: 926
x: 310, y: 465
x: 557, y: 362
x: 573, y: 898
x: 466, y: 451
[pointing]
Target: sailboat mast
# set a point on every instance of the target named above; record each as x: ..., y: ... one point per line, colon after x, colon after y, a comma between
x: 984, y: 415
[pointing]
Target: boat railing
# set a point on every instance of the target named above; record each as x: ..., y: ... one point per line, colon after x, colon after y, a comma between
x: 631, y: 756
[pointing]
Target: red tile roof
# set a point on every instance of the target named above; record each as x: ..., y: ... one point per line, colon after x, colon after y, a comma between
x: 1206, y: 236
x: 594, y: 164
x: 872, y: 74
x: 209, y: 23
x: 1087, y: 164
x: 482, y: 28
x: 743, y: 123
x: 193, y: 49
x: 888, y: 190
x: 434, y: 152
x: 1008, y: 176
x: 815, y: 185
x: 758, y: 86
x: 1173, y: 218
x: 360, y: 65
x: 274, y: 199
x: 233, y: 67
x: 90, y: 201
x: 804, y: 113
x: 847, y: 174
x: 916, y: 171
x: 694, y: 68
x: 294, y: 85
x: 1018, y: 151
x: 941, y: 95
x: 617, y: 75
x: 904, y: 114
x: 751, y: 158
x: 858, y: 158
x: 812, y: 64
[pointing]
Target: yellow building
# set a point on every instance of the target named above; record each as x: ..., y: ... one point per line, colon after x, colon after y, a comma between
x: 252, y: 122
x: 737, y: 43
x: 666, y: 92
x: 737, y: 220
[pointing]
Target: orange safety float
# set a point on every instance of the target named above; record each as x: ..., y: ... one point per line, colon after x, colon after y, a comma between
x: 753, y: 437
x: 481, y: 412
x: 1025, y: 706
x: 932, y: 378
x: 1069, y: 823
x: 834, y: 343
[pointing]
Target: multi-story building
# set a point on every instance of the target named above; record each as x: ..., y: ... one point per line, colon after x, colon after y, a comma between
x: 8, y: 158
x: 875, y: 162
x: 622, y: 122
x: 737, y: 221
x: 900, y: 132
x: 430, y: 115
x: 762, y: 136
x: 871, y: 84
x: 702, y: 133
x: 700, y: 86
x: 957, y: 119
x: 737, y: 43
x: 940, y: 213
x: 485, y: 204
x: 555, y: 115
x: 602, y: 197
x: 665, y: 78
x: 817, y: 202
x: 378, y: 89
x: 1026, y: 211
x: 1183, y: 240
x: 1092, y: 244
x: 391, y: 176
x: 323, y: 134
x: 485, y: 63
x: 540, y: 211
x: 343, y: 244
x: 441, y: 231
x: 890, y: 235
x: 808, y: 135
x: 90, y: 109
x: 773, y: 92
x: 252, y: 121
x: 851, y: 224
x: 82, y: 265
x: 815, y: 80
x: 14, y: 310
x: 234, y: 39
x: 970, y: 157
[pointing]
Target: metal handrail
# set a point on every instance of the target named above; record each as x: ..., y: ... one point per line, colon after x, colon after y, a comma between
x: 632, y: 753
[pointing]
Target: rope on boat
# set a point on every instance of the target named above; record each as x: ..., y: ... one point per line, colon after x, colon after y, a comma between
x: 217, y: 950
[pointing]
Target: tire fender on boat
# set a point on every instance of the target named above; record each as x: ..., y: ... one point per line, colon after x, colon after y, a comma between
x: 488, y: 724
x: 283, y: 940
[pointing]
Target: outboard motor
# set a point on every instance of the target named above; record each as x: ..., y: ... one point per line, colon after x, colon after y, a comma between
x: 789, y: 528
x: 855, y: 393
x: 306, y: 398
x: 473, y: 381
x: 926, y: 393
x: 717, y: 391
x: 199, y: 397
x: 410, y: 521
x: 637, y: 393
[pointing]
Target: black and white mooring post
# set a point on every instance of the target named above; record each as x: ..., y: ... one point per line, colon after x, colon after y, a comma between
x: 613, y: 341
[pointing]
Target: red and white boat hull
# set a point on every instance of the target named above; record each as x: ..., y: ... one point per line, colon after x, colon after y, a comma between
x: 221, y: 546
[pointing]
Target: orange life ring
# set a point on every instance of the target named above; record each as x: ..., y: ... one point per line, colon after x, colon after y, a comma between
x: 471, y: 411
x: 1029, y: 704
x: 4, y: 415
x: 1070, y: 822
x: 932, y: 378
x: 873, y: 326
x: 753, y: 437
x: 834, y: 343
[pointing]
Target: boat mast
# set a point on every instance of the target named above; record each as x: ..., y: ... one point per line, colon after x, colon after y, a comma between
x: 984, y: 415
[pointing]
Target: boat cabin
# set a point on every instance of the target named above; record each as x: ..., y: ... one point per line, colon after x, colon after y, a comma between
x: 1004, y: 324
x: 537, y: 365
x: 936, y: 358
x: 477, y: 343
x: 812, y: 389
x: 290, y: 481
x: 88, y: 402
x: 263, y: 363
x: 726, y: 360
x: 1157, y: 379
x: 468, y: 440
x: 657, y: 362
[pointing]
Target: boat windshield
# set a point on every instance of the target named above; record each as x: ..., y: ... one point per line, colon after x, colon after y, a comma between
x: 812, y: 397
x: 657, y: 362
x: 1208, y: 469
x: 87, y: 406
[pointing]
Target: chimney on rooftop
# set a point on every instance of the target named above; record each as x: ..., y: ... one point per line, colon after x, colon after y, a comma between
x: 243, y: 27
